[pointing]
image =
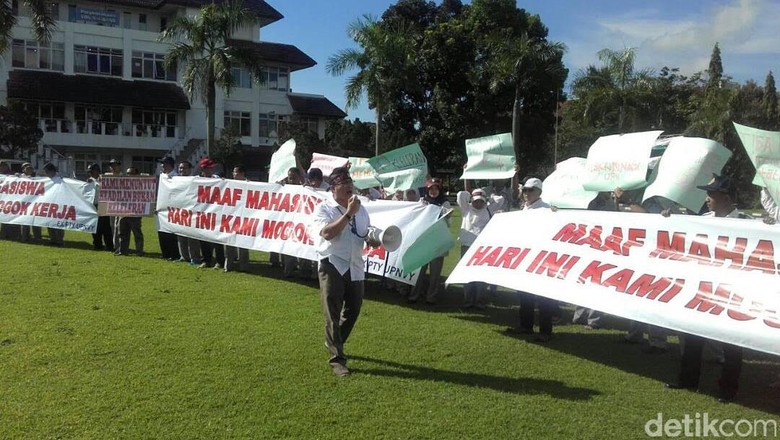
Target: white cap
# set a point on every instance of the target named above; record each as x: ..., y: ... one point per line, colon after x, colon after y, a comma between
x: 533, y: 182
x: 477, y: 194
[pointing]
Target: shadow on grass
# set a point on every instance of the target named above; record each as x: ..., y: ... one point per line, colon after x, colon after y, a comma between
x: 552, y: 388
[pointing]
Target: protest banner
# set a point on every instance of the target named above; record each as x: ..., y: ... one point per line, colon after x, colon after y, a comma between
x: 127, y: 196
x: 401, y: 169
x: 362, y: 173
x: 713, y: 277
x: 281, y: 161
x: 434, y: 242
x: 619, y: 160
x: 327, y: 163
x: 687, y: 163
x: 763, y: 149
x: 58, y: 203
x: 274, y: 218
x: 563, y: 188
x: 490, y: 157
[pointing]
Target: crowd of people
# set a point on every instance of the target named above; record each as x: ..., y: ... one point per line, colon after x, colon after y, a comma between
x: 341, y: 225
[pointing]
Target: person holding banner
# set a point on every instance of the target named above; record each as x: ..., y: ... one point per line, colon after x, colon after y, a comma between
x: 210, y: 252
x: 289, y: 263
x: 233, y: 253
x: 434, y: 196
x: 476, y: 212
x: 29, y: 172
x: 128, y: 225
x: 169, y: 246
x: 315, y: 180
x: 532, y: 199
x: 720, y: 203
x: 56, y: 236
x: 189, y: 248
x: 341, y: 225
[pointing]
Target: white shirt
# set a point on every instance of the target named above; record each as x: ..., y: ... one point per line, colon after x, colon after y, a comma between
x: 733, y: 214
x: 536, y: 205
x: 474, y: 220
x: 345, y: 251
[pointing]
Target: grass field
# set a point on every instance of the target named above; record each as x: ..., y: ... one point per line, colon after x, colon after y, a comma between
x: 97, y: 346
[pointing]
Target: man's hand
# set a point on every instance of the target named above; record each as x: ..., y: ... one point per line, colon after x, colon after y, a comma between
x: 353, y: 206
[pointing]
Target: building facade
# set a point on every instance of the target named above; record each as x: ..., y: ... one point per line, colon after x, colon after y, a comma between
x: 100, y: 91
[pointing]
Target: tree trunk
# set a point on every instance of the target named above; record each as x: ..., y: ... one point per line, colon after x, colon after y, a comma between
x: 211, y: 119
x: 376, y: 137
x: 517, y: 109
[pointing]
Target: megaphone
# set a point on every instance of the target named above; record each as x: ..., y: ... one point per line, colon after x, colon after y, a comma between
x: 390, y: 237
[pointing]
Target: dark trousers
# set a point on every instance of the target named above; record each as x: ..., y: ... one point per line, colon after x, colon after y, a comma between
x: 690, y: 365
x: 103, y: 238
x: 341, y: 300
x: 169, y: 245
x: 206, y: 249
x: 547, y: 308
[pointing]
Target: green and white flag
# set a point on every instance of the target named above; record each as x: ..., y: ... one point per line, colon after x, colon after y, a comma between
x: 281, y: 161
x: 401, y: 169
x: 763, y: 149
x: 434, y: 242
x: 490, y: 157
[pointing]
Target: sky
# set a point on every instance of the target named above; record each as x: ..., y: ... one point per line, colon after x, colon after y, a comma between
x: 673, y: 33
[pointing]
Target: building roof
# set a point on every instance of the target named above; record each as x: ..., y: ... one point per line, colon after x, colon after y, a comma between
x: 315, y: 105
x: 266, y: 13
x: 90, y: 89
x: 286, y: 54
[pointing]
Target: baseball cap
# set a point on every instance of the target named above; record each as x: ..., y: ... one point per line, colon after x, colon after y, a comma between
x: 434, y: 182
x: 477, y: 194
x: 718, y: 183
x: 167, y: 159
x: 206, y: 163
x: 533, y: 182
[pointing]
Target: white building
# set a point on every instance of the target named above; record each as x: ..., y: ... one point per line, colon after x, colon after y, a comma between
x: 100, y: 91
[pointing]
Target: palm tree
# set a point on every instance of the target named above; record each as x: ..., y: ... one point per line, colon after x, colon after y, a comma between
x: 42, y: 21
x: 382, y: 57
x: 614, y: 85
x: 202, y: 43
x: 526, y: 63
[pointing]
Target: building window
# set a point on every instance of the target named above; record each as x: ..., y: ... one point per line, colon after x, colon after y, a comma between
x: 241, y: 122
x: 241, y: 78
x: 276, y: 78
x: 82, y: 161
x: 154, y: 123
x: 141, y: 22
x: 98, y: 120
x: 145, y: 164
x: 151, y: 65
x: 272, y: 125
x: 31, y: 54
x: 22, y: 10
x: 51, y: 116
x: 163, y: 24
x: 309, y: 123
x: 100, y: 60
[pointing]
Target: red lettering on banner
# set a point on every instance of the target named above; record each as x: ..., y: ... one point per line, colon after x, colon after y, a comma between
x: 579, y: 235
x: 555, y: 266
x: 239, y: 225
x: 512, y: 257
x: 594, y: 271
x: 205, y: 220
x: 478, y: 255
x: 667, y: 248
x: 736, y: 255
x: 508, y: 258
x: 762, y: 258
x: 14, y: 208
x: 490, y: 259
x: 53, y: 210
x: 178, y: 216
x: 285, y: 230
x: 619, y: 280
x: 650, y: 287
x: 23, y: 187
x: 375, y: 252
x: 714, y: 303
x: 276, y: 199
x: 213, y: 195
x: 281, y: 202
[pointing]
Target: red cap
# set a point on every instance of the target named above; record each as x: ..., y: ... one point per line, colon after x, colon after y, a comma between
x: 206, y: 163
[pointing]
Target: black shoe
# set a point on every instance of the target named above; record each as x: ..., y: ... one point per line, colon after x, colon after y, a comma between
x: 725, y: 397
x: 677, y: 386
x: 542, y: 338
x: 520, y: 331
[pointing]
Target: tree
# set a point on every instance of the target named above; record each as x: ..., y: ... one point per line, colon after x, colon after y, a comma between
x: 381, y: 60
x: 202, y: 44
x: 615, y: 90
x: 347, y: 138
x: 523, y: 62
x: 306, y: 141
x: 715, y: 70
x: 770, y: 103
x: 40, y: 15
x: 19, y: 131
x: 228, y: 149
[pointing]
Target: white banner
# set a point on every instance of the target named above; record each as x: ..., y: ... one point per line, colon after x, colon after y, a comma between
x: 53, y: 203
x: 490, y: 157
x: 563, y: 188
x: 275, y: 218
x: 362, y: 173
x: 619, y: 160
x: 711, y: 277
x: 687, y: 163
x: 127, y: 196
x: 281, y: 161
x: 327, y: 163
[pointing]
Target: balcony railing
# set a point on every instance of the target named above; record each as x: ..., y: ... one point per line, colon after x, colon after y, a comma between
x: 109, y: 128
